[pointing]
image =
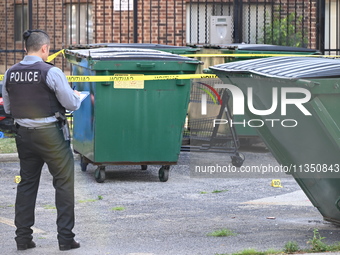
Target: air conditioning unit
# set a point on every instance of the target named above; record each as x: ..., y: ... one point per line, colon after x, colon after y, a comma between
x: 221, y: 30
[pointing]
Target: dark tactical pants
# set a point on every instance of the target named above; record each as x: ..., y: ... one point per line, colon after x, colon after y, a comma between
x: 36, y: 147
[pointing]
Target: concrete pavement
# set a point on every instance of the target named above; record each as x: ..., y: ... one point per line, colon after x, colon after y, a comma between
x: 138, y: 215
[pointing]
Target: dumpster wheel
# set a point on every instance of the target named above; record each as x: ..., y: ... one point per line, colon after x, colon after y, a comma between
x: 144, y: 167
x: 237, y: 160
x: 163, y: 173
x: 99, y: 174
x: 83, y: 164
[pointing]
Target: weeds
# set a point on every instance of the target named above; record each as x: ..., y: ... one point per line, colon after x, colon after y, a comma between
x: 49, y: 207
x: 255, y: 252
x: 316, y: 242
x: 87, y: 201
x: 222, y: 232
x: 291, y: 246
x: 249, y: 252
x: 219, y: 191
x: 214, y: 192
x: 90, y: 200
x: 7, y: 145
x: 118, y: 208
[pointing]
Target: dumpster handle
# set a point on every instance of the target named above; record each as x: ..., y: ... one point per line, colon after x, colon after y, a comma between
x: 207, y: 70
x: 337, y: 203
x: 194, y: 62
x: 146, y: 65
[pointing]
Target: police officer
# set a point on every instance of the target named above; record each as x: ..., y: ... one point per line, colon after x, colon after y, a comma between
x: 35, y: 93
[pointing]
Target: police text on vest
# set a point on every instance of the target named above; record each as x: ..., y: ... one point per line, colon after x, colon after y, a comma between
x: 24, y: 76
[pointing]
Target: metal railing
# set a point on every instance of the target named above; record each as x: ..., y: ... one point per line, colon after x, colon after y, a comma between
x: 302, y: 23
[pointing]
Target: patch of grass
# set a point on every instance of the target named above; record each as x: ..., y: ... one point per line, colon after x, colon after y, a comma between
x: 273, y: 251
x: 250, y: 252
x: 5, y: 206
x: 118, y: 208
x: 317, y: 243
x: 215, y: 191
x: 255, y: 252
x: 49, y: 207
x: 90, y: 200
x: 334, y: 247
x: 291, y: 246
x: 219, y: 191
x: 7, y: 145
x: 87, y: 201
x: 222, y: 232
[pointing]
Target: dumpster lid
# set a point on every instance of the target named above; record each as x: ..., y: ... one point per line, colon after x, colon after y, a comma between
x: 285, y: 67
x: 126, y: 54
x: 258, y: 47
x: 129, y: 45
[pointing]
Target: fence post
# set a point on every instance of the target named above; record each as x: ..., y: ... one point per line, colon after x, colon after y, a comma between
x: 320, y: 26
x: 135, y: 21
x: 238, y: 21
x: 30, y: 14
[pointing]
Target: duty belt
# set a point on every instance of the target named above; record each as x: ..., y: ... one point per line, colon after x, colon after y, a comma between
x: 54, y: 124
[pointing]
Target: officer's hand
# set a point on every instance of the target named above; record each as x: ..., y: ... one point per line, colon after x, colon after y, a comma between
x: 77, y: 92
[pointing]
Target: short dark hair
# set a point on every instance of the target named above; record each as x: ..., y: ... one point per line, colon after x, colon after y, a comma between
x: 35, y: 39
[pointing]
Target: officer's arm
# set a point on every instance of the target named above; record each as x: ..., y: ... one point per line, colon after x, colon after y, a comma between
x: 5, y: 96
x: 65, y: 94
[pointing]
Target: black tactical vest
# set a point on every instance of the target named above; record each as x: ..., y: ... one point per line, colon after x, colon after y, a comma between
x: 29, y: 95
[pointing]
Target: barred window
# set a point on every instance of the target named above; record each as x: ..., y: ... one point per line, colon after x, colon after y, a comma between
x: 20, y: 21
x: 79, y: 25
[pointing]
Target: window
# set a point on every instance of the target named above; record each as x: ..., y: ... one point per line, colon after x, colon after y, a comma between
x: 198, y: 20
x: 20, y: 21
x: 332, y: 28
x: 79, y: 24
x: 199, y: 15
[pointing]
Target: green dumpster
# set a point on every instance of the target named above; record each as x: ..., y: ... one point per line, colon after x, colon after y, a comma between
x: 294, y: 103
x: 130, y: 122
x: 247, y: 49
x: 261, y: 49
x: 247, y: 135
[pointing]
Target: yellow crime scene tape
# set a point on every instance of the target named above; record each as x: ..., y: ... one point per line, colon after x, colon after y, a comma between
x: 78, y: 78
x: 53, y: 56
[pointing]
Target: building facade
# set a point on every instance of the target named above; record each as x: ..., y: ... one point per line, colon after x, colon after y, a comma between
x: 301, y: 23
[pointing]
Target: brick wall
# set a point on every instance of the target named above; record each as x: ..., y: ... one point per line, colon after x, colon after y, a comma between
x: 162, y: 22
x: 158, y: 22
x: 47, y: 15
